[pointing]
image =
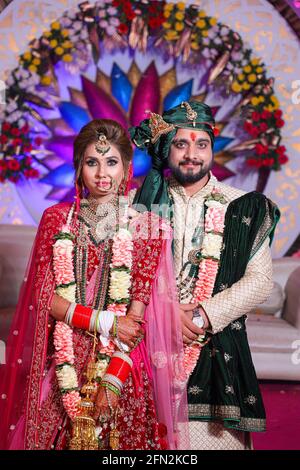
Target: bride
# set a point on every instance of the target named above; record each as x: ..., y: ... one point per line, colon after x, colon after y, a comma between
x: 94, y: 355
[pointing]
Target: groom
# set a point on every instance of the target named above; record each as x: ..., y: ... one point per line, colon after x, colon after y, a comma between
x: 223, y: 270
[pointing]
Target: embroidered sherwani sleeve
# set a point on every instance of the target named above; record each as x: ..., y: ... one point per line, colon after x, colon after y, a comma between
x: 243, y: 296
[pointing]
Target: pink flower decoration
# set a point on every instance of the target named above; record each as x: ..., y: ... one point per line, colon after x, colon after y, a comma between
x: 214, y: 219
x: 71, y: 403
x: 191, y: 356
x: 63, y: 264
x: 63, y: 343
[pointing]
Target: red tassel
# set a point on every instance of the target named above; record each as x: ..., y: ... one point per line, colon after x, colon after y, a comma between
x: 216, y: 131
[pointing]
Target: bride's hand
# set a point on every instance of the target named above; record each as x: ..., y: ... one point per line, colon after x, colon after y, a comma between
x: 59, y: 307
x: 102, y: 407
x: 129, y: 331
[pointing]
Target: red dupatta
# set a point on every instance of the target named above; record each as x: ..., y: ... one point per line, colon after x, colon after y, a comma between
x: 30, y: 420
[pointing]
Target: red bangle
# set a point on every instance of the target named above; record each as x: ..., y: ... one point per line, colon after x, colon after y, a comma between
x: 119, y: 368
x: 82, y: 316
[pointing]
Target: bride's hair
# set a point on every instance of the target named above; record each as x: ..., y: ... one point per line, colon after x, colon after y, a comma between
x: 115, y: 134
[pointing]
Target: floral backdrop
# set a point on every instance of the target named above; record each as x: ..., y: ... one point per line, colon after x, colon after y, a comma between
x: 63, y: 80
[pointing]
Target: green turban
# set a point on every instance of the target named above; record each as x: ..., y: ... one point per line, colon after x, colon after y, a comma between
x: 156, y: 134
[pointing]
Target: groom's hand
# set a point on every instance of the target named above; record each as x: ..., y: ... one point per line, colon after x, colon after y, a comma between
x: 190, y: 331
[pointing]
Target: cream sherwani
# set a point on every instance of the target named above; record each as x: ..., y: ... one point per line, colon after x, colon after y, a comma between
x: 226, y: 306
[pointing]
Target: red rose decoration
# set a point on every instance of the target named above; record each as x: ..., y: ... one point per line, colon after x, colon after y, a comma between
x: 3, y: 139
x: 261, y: 149
x: 283, y: 159
x: 123, y: 28
x: 38, y: 141
x: 13, y: 165
x: 279, y: 123
x: 27, y: 148
x: 13, y: 179
x: 281, y: 149
x: 255, y: 116
x: 5, y: 126
x: 17, y: 142
x: 3, y: 165
x: 15, y: 132
x: 263, y: 127
x: 32, y: 173
x: 278, y: 114
x: 25, y: 129
x: 266, y: 114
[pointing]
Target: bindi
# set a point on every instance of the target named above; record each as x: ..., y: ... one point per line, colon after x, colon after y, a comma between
x: 193, y: 136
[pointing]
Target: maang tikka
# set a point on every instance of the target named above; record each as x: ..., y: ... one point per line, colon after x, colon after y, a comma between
x: 102, y: 145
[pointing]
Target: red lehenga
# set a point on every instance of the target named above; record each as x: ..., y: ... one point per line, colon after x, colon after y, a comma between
x: 32, y: 413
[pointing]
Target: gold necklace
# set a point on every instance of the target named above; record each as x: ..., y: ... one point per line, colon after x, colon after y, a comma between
x: 100, y: 218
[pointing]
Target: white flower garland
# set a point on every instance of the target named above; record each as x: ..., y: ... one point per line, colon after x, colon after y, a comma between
x: 210, y: 255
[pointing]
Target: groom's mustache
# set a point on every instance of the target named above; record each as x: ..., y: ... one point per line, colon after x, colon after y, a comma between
x: 188, y: 162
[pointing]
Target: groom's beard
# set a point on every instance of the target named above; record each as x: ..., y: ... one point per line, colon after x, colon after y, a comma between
x: 192, y: 175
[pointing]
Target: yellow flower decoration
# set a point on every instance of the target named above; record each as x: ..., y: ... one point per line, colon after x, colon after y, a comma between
x: 213, y: 21
x: 252, y: 78
x: 236, y: 87
x: 169, y: 7
x: 255, y: 101
x: 261, y: 98
x: 53, y: 43
x: 67, y: 44
x: 67, y: 58
x: 59, y: 50
x: 179, y: 26
x: 255, y: 61
x: 246, y: 86
x: 55, y: 25
x: 167, y: 14
x: 47, y: 34
x: 64, y: 33
x: 27, y: 56
x: 259, y: 70
x: 204, y: 33
x: 167, y: 25
x: 181, y: 6
x: 46, y: 80
x: 270, y: 108
x: 171, y: 35
x: 241, y: 77
x: 201, y: 24
x: 247, y: 69
x: 201, y: 14
x: 36, y: 61
x: 179, y: 16
x: 195, y: 46
x: 32, y: 68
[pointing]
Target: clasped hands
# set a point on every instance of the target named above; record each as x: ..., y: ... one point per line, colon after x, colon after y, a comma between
x: 190, y: 331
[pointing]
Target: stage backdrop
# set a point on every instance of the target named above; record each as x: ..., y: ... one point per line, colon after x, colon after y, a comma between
x: 66, y: 63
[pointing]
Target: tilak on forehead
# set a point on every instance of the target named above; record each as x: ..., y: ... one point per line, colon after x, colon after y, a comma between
x: 193, y: 136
